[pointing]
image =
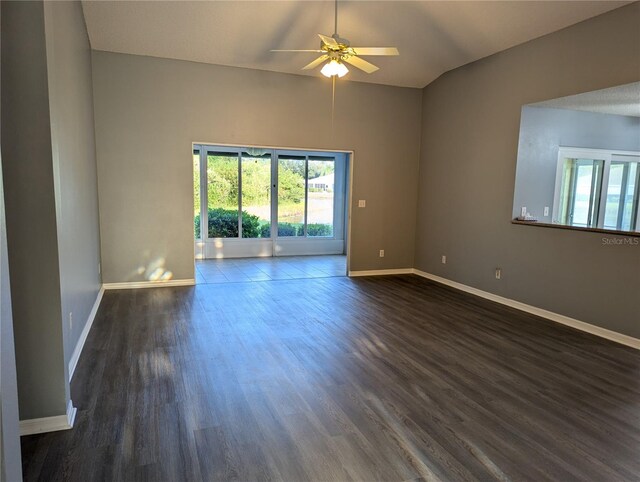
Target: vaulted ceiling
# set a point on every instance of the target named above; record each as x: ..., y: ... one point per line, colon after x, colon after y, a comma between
x: 432, y: 36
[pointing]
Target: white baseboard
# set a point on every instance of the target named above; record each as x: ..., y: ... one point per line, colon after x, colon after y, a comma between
x: 85, y: 332
x: 549, y: 315
x: 381, y: 272
x: 49, y: 424
x: 148, y: 284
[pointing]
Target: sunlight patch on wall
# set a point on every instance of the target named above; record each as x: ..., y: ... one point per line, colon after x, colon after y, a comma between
x: 153, y: 271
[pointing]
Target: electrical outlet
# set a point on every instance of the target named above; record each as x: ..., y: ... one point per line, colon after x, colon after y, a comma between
x: 71, y: 321
x: 498, y: 273
x: 362, y: 203
x: 444, y: 259
x: 546, y: 210
x: 523, y: 212
x: 382, y: 253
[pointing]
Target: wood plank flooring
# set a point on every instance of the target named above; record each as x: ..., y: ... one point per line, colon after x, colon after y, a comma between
x: 388, y: 378
x: 237, y: 270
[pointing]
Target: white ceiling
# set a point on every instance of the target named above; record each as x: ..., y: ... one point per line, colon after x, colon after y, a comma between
x: 621, y: 100
x: 432, y: 36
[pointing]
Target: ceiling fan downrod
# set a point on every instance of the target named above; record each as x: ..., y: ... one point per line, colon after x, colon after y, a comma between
x: 343, y: 42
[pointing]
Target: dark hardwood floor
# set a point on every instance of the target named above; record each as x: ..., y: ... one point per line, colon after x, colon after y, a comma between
x: 386, y: 378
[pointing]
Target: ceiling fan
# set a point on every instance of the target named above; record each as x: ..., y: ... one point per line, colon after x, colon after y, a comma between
x: 336, y: 51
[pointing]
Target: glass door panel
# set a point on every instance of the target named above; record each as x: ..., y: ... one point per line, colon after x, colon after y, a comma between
x: 196, y: 193
x: 222, y: 195
x: 291, y: 195
x: 264, y: 202
x: 622, y: 196
x: 632, y: 199
x: 581, y: 183
x: 583, y: 194
x: 320, y: 202
x: 614, y: 198
x: 256, y: 196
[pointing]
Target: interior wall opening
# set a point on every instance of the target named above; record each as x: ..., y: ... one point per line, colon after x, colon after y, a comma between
x: 252, y: 202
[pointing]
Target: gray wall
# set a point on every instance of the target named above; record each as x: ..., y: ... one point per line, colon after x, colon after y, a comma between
x: 467, y: 170
x: 11, y: 467
x: 543, y: 130
x: 74, y: 161
x: 51, y: 193
x: 10, y: 457
x: 150, y: 110
x: 31, y: 215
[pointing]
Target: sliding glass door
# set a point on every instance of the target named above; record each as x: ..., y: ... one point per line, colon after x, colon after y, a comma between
x: 292, y: 202
x: 255, y: 202
x: 597, y: 188
x: 582, y: 180
x: 623, y: 194
x: 223, y: 202
x: 321, y: 196
x: 266, y: 202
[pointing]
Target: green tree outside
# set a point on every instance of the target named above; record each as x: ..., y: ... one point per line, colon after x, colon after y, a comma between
x: 222, y: 194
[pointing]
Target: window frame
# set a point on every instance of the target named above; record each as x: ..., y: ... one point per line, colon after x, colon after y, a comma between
x: 605, y: 155
x: 339, y: 203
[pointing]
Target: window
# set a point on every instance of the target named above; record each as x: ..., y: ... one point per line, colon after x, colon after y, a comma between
x: 292, y: 190
x: 321, y: 196
x: 621, y: 211
x: 196, y: 193
x: 223, y: 201
x: 306, y: 200
x: 579, y: 197
x: 260, y: 202
x: 597, y: 189
x: 256, y: 195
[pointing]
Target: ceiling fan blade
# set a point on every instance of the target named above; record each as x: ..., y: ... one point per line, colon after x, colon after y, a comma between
x: 316, y: 51
x: 328, y: 40
x: 316, y: 62
x: 361, y: 64
x: 376, y: 50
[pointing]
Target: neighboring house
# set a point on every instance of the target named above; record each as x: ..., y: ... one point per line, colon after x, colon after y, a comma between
x: 322, y: 183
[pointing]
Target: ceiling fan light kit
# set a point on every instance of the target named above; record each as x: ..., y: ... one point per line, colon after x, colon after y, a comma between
x: 336, y: 51
x: 334, y: 67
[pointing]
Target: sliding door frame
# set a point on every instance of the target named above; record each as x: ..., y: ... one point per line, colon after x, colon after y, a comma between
x: 347, y: 189
x: 602, y: 186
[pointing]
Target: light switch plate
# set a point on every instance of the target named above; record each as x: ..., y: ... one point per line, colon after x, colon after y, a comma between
x: 362, y: 203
